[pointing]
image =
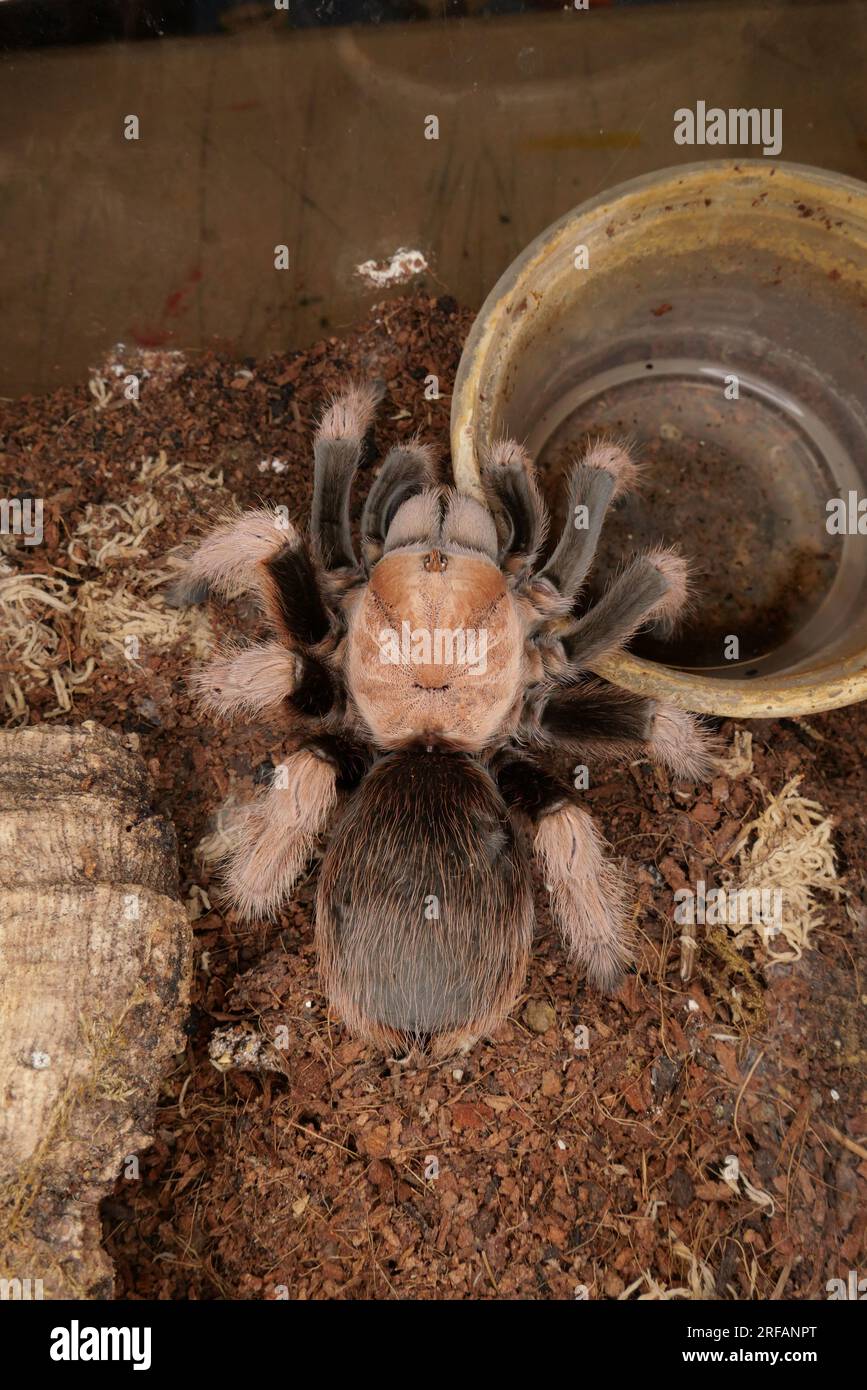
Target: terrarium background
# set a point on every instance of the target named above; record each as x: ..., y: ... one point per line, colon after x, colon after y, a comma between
x: 256, y: 133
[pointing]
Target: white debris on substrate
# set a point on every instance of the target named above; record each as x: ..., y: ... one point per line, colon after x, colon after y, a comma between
x: 740, y: 1185
x: 399, y: 268
x: 224, y: 831
x: 234, y: 1046
x: 739, y: 762
x: 700, y: 1283
x: 158, y: 367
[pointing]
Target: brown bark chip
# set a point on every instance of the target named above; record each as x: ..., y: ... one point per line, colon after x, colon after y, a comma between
x: 95, y: 984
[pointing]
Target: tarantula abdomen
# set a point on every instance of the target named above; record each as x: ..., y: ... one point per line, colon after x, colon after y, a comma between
x: 424, y: 913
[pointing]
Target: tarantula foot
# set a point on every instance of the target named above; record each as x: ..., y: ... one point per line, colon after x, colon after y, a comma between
x: 613, y: 456
x: 249, y: 681
x: 672, y: 608
x: 682, y: 744
x: 606, y: 970
x: 587, y: 895
x: 512, y: 491
x: 350, y: 414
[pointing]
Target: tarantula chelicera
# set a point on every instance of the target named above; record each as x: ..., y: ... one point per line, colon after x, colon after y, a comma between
x: 437, y: 692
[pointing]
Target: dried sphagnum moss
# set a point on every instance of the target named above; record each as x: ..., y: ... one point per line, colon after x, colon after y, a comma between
x: 787, y: 849
x: 105, y: 603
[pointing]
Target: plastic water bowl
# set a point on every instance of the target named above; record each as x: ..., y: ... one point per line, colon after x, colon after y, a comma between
x: 716, y: 314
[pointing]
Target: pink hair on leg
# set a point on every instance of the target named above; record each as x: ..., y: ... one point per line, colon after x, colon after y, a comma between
x: 681, y: 744
x: 349, y: 415
x: 227, y: 558
x: 508, y: 453
x: 248, y: 681
x: 614, y: 458
x: 278, y: 833
x: 675, y: 569
x: 587, y: 895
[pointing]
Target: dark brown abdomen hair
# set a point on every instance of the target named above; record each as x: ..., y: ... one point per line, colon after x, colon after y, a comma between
x: 424, y: 914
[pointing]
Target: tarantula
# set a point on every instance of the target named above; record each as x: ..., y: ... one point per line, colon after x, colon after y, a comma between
x: 424, y: 761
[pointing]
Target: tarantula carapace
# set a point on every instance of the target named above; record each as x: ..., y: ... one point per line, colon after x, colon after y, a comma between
x: 437, y: 694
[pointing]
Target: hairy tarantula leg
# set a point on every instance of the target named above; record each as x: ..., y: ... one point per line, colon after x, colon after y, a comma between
x: 605, y: 472
x: 249, y: 681
x: 227, y: 560
x: 588, y: 898
x: 652, y: 587
x: 512, y: 492
x: 336, y: 453
x: 278, y: 833
x: 597, y: 717
x: 259, y: 550
x: 596, y: 712
x: 293, y: 597
x: 682, y: 744
x: 407, y: 469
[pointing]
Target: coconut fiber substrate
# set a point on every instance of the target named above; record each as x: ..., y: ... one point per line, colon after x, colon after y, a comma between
x: 701, y: 1135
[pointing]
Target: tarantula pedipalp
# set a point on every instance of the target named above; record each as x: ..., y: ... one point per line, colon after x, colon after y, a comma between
x: 436, y: 687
